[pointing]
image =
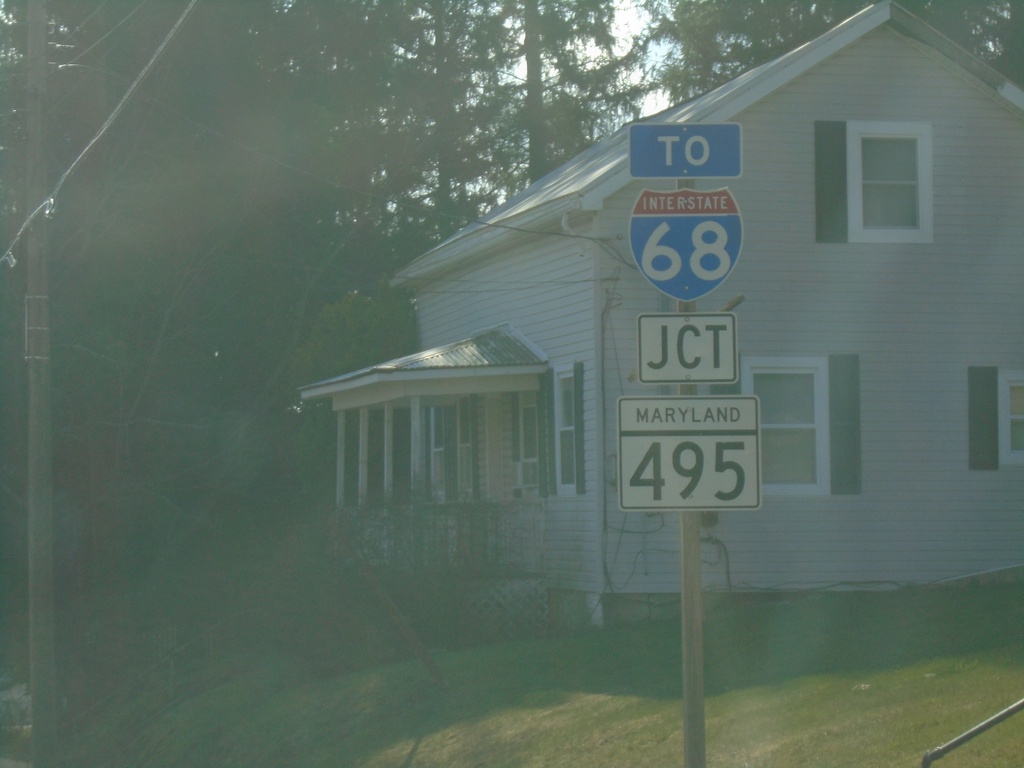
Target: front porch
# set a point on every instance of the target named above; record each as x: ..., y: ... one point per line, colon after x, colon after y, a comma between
x: 445, y: 457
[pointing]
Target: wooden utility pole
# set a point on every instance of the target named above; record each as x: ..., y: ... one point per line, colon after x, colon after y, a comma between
x: 42, y: 662
x: 694, y: 733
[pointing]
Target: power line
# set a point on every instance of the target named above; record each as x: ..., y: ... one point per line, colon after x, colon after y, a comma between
x: 46, y: 206
x: 108, y: 33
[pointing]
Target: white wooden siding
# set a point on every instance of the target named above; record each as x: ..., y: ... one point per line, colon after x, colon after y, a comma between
x: 918, y: 316
x: 546, y: 289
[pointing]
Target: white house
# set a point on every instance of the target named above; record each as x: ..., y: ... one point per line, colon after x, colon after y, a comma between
x: 881, y: 326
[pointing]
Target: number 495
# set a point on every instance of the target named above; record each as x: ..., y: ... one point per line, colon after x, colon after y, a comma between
x: 688, y: 464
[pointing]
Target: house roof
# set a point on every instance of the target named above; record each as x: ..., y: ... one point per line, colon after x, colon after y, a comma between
x: 585, y: 181
x: 499, y: 351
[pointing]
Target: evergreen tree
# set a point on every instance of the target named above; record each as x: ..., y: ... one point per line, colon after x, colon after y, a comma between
x: 579, y: 83
x: 280, y: 155
x: 710, y: 43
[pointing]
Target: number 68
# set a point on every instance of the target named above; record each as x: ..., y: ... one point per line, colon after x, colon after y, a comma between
x: 656, y: 253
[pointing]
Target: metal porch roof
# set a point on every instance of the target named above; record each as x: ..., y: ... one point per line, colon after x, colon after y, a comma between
x: 501, y: 350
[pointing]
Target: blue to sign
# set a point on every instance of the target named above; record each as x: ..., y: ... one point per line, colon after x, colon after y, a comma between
x: 685, y: 151
x: 686, y: 242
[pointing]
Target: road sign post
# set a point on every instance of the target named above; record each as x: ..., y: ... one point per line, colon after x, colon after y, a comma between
x: 688, y: 453
x: 694, y: 454
x: 692, y: 607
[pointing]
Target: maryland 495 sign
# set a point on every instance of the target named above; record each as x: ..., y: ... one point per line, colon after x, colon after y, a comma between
x: 689, y: 453
x: 685, y: 241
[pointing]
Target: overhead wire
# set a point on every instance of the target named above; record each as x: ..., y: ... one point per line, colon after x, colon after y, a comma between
x: 108, y: 33
x: 47, y: 205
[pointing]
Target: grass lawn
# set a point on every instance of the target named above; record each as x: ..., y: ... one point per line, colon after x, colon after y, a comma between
x: 825, y: 680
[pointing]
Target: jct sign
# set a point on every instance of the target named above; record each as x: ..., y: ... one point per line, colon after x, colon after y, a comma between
x: 685, y: 241
x: 699, y: 347
x: 689, y: 453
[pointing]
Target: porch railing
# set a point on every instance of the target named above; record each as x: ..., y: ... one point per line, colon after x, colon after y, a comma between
x: 476, y: 538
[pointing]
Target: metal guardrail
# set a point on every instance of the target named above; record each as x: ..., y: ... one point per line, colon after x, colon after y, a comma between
x: 939, y: 752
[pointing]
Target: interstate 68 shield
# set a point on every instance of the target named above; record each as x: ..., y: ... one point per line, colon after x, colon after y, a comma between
x: 686, y: 242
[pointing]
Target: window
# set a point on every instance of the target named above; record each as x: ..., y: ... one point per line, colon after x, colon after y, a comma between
x: 1011, y: 417
x: 451, y: 450
x: 795, y: 447
x: 889, y: 191
x: 889, y: 184
x: 526, y: 443
x: 995, y: 417
x: 566, y: 467
x: 873, y: 182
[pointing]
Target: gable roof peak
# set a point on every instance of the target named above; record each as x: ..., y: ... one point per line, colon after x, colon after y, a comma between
x: 585, y: 181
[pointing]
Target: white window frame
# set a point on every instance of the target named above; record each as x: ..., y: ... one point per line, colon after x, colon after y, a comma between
x: 565, y: 422
x: 818, y: 368
x: 1008, y: 379
x: 921, y: 132
x: 522, y: 462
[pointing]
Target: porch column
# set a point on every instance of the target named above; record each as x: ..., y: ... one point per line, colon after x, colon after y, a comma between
x: 364, y: 451
x: 339, y: 469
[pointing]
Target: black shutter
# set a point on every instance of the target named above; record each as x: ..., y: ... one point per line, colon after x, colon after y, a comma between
x: 577, y: 399
x: 983, y: 417
x: 547, y: 474
x: 844, y: 423
x: 831, y: 222
x: 545, y: 435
